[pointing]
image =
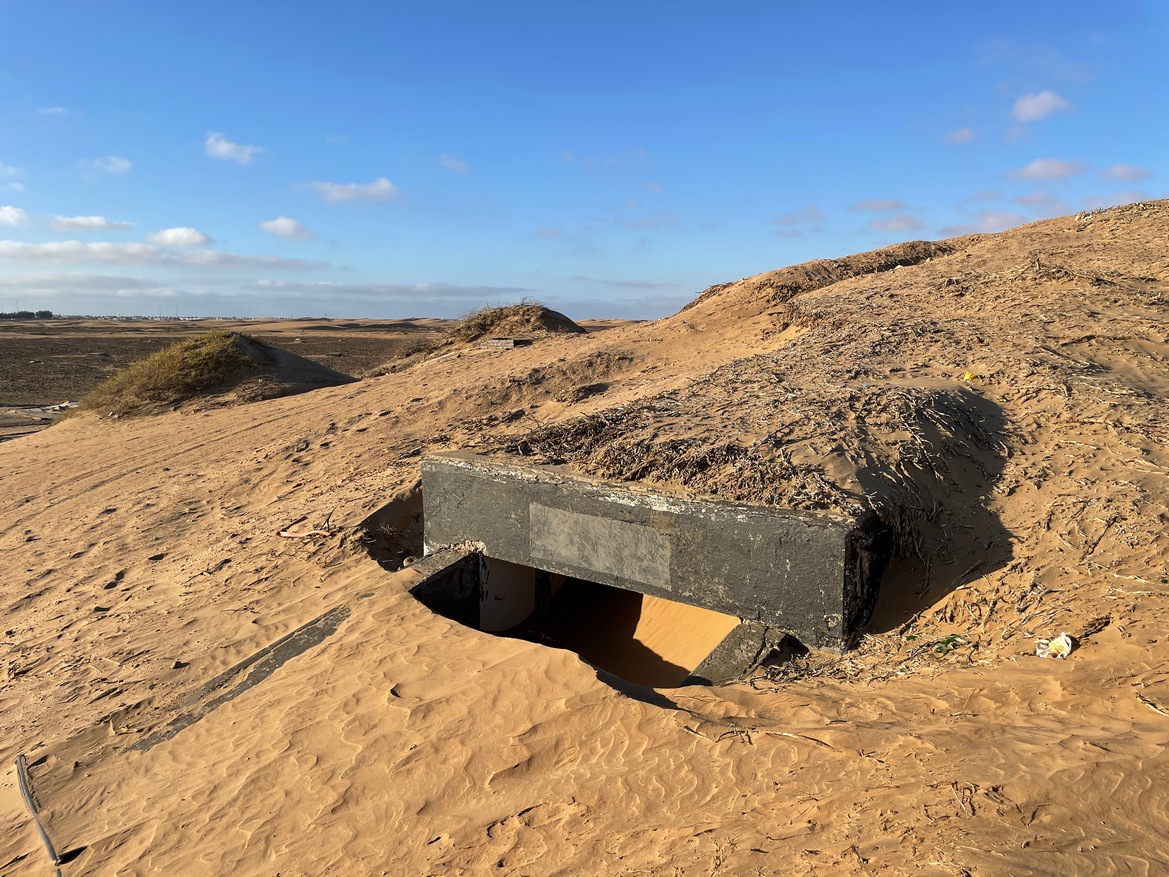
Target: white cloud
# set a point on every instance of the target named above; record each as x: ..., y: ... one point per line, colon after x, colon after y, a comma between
x: 379, y: 190
x: 454, y: 163
x: 109, y: 164
x: 7, y: 171
x: 878, y: 205
x: 654, y: 187
x: 218, y: 146
x: 898, y: 222
x: 284, y: 227
x: 987, y: 222
x: 547, y: 231
x: 1033, y: 107
x: 51, y: 111
x: 962, y: 135
x: 10, y: 215
x: 565, y: 155
x: 1129, y: 173
x: 87, y: 223
x: 1048, y: 169
x: 81, y: 253
x: 182, y: 236
x: 14, y: 187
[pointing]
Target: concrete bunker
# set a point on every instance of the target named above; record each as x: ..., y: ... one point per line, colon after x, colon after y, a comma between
x: 659, y: 589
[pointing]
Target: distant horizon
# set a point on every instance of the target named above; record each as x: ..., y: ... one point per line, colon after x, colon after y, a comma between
x: 611, y: 160
x: 184, y: 318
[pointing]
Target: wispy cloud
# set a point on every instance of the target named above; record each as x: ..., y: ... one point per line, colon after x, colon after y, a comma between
x: 284, y: 227
x: 1129, y: 173
x: 548, y: 231
x: 380, y: 189
x: 986, y: 222
x: 879, y: 205
x: 798, y: 222
x: 75, y: 282
x: 962, y: 135
x: 8, y: 175
x: 625, y: 284
x: 10, y: 215
x: 1094, y: 202
x: 55, y: 112
x: 81, y: 253
x: 385, y: 293
x: 88, y: 223
x: 109, y: 164
x: 1035, y: 60
x: 1048, y: 169
x: 454, y: 164
x: 898, y: 222
x: 1043, y: 204
x: 183, y: 236
x: 1033, y: 107
x: 666, y: 219
x: 218, y: 146
x: 653, y: 187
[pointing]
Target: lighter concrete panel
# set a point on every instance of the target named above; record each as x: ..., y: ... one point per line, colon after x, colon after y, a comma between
x: 604, y: 545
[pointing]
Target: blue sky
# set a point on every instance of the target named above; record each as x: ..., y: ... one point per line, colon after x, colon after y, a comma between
x: 610, y: 159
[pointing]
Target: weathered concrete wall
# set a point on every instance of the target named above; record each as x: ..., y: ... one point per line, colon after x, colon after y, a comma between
x: 785, y: 570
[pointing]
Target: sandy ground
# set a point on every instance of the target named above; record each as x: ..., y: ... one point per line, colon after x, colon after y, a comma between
x: 198, y: 695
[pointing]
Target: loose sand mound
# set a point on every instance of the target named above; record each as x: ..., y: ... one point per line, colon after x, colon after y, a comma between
x: 527, y: 320
x: 219, y: 368
x: 197, y: 694
x: 524, y: 320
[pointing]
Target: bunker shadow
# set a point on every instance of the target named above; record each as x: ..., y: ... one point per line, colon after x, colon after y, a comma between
x: 945, y: 533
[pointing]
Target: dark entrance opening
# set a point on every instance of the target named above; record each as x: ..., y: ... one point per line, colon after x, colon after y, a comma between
x: 640, y: 638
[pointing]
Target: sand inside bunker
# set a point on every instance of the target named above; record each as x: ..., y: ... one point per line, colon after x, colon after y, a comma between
x: 998, y: 399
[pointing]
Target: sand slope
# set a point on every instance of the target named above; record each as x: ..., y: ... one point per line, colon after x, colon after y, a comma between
x: 144, y: 567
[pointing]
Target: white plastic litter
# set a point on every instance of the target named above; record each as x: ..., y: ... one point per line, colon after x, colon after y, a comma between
x: 1060, y: 647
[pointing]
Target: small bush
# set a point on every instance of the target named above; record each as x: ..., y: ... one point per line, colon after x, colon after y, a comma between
x: 174, y: 374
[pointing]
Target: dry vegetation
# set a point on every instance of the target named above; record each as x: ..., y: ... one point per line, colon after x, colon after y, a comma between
x: 527, y: 319
x: 212, y: 370
x: 176, y: 374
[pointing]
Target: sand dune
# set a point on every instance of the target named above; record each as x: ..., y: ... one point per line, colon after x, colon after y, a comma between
x: 196, y: 694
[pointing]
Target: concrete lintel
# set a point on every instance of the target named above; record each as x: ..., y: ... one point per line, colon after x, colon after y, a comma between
x: 813, y: 575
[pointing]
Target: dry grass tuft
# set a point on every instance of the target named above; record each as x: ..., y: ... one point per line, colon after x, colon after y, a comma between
x: 175, y: 374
